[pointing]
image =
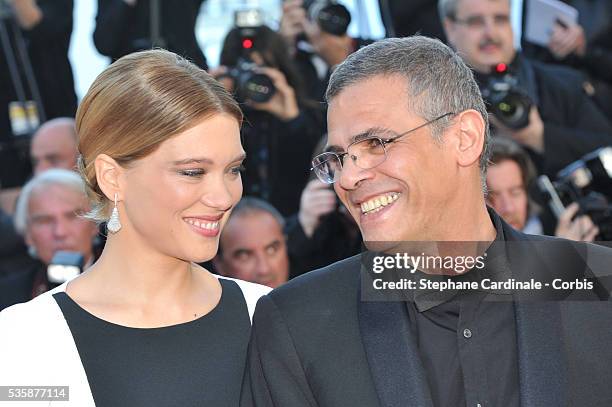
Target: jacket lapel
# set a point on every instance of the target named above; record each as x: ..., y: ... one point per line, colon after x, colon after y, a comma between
x: 542, y: 358
x: 399, y: 377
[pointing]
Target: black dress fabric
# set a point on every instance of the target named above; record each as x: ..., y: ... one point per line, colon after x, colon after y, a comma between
x: 196, y: 363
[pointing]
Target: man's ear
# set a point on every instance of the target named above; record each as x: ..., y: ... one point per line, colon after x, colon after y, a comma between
x: 470, y: 137
x: 108, y: 175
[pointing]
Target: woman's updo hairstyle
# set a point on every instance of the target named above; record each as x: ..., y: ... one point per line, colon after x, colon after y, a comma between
x: 137, y: 103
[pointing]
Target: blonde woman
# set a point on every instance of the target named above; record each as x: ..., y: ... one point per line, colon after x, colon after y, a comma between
x: 145, y: 326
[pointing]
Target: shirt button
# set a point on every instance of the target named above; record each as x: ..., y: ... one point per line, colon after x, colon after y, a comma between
x: 467, y: 333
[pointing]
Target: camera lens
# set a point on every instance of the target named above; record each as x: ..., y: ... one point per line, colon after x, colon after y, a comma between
x: 257, y: 87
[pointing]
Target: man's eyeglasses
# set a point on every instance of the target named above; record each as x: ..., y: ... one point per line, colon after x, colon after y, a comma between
x: 365, y: 154
x: 479, y: 22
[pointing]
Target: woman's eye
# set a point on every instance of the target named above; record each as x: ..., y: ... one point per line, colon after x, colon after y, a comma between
x: 192, y: 173
x: 237, y: 170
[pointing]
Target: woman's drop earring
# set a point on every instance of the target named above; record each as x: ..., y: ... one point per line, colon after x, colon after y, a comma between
x: 114, y: 224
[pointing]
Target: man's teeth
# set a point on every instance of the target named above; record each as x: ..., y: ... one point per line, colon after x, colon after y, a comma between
x: 377, y: 203
x: 203, y: 225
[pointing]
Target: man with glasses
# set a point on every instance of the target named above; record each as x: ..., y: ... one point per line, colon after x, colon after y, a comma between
x: 407, y: 155
x: 563, y: 123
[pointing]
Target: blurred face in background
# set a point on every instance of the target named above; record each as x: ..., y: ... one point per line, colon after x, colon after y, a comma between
x: 176, y: 200
x: 507, y: 194
x: 54, y: 146
x: 254, y: 249
x: 481, y: 33
x: 54, y: 224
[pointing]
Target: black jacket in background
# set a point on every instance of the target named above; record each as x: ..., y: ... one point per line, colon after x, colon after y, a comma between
x: 47, y: 45
x: 595, y: 16
x: 122, y: 29
x: 337, y: 237
x: 278, y: 156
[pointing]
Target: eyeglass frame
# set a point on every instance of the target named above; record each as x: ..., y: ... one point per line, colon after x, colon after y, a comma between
x: 383, y: 143
x: 478, y: 21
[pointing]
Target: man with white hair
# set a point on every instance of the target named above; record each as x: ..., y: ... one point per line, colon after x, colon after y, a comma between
x: 49, y: 216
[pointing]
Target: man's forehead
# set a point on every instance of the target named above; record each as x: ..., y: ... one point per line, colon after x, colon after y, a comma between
x: 477, y: 6
x: 57, y: 192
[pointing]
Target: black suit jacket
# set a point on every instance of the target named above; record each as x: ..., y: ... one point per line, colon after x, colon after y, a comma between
x: 314, y: 343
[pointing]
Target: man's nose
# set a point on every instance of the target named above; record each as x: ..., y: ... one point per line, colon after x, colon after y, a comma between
x: 41, y: 166
x: 262, y: 265
x: 489, y: 27
x: 351, y: 175
x: 507, y: 204
x: 60, y: 229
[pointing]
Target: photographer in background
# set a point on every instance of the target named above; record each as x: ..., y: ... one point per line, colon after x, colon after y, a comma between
x: 510, y: 178
x: 48, y: 217
x: 585, y: 45
x: 316, y: 32
x: 322, y: 232
x: 46, y: 27
x: 125, y: 26
x: 282, y: 127
x: 562, y: 123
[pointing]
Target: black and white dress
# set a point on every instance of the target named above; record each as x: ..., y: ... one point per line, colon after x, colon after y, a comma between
x: 196, y: 363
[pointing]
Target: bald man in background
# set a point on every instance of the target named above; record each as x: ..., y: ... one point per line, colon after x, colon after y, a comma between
x: 54, y: 145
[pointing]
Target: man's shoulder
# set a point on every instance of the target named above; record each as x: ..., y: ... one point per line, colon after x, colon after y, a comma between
x: 562, y: 254
x: 558, y: 77
x: 333, y: 284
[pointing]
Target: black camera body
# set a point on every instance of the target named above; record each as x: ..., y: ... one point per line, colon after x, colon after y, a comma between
x: 587, y: 182
x: 505, y: 99
x: 332, y: 17
x: 249, y: 84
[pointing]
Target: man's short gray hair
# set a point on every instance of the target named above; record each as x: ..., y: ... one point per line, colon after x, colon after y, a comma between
x: 437, y: 79
x: 52, y: 177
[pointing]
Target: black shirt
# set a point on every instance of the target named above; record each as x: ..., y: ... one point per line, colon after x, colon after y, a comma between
x: 196, y: 363
x: 467, y: 340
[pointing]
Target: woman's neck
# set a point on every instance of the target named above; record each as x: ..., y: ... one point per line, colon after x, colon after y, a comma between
x: 131, y: 270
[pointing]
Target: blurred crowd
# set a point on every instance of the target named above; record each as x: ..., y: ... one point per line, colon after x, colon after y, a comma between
x: 550, y: 170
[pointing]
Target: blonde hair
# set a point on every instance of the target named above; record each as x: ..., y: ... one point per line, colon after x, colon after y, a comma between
x: 137, y: 103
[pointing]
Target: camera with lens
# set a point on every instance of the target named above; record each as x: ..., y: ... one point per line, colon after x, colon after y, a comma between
x: 587, y: 182
x: 505, y: 99
x: 332, y: 17
x: 249, y: 83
